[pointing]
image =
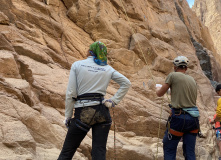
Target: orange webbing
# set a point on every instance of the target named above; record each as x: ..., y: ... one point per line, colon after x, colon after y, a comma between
x: 176, y: 133
x: 194, y: 131
x: 180, y: 134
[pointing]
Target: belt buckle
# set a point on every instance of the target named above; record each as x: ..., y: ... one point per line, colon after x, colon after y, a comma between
x: 178, y: 113
x: 80, y: 101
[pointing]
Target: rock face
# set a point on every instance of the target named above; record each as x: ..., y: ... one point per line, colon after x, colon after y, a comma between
x: 40, y: 40
x: 209, y: 12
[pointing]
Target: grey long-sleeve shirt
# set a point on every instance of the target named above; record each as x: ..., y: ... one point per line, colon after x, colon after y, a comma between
x: 88, y: 77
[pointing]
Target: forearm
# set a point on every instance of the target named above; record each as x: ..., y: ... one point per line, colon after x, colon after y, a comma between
x: 69, y: 106
x: 162, y: 90
x: 121, y: 93
x: 124, y: 86
x: 70, y: 93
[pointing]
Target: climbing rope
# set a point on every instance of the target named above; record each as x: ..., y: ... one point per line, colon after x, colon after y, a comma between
x: 207, y: 122
x: 115, y: 155
x: 198, y: 87
x: 161, y: 110
x: 113, y: 119
x: 59, y: 40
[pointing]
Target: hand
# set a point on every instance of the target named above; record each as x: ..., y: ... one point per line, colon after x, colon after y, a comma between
x: 211, y: 121
x: 67, y: 121
x: 108, y: 103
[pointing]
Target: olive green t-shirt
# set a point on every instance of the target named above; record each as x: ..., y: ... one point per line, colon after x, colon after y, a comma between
x: 183, y: 90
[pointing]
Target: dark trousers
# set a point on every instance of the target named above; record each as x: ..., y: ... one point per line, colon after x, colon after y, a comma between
x: 182, y: 123
x: 75, y: 135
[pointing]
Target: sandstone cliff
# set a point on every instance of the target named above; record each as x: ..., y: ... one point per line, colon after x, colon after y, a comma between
x: 39, y: 40
x: 209, y: 12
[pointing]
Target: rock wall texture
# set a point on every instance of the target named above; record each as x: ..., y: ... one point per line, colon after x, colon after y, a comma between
x: 209, y: 12
x: 39, y: 40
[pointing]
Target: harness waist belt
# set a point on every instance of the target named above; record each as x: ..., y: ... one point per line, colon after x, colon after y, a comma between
x: 178, y: 111
x: 90, y: 96
x: 193, y: 111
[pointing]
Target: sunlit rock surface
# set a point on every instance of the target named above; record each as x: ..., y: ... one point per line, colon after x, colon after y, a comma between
x: 39, y: 40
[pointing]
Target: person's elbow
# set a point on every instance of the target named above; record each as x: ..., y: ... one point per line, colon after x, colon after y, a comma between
x: 127, y: 83
x: 159, y: 94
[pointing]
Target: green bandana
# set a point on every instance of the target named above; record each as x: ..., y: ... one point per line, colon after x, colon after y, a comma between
x: 99, y: 51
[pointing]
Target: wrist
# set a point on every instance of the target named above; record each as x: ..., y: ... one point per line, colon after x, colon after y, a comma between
x: 67, y: 118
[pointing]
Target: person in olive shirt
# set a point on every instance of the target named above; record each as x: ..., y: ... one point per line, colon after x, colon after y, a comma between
x: 183, y: 121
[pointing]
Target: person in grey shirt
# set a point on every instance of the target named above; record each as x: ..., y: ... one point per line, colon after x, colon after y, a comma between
x: 88, y: 82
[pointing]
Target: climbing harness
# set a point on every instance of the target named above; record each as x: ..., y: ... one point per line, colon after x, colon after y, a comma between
x: 171, y: 131
x: 85, y: 117
x: 60, y: 40
x: 178, y: 133
x: 115, y: 156
x: 193, y: 112
x: 201, y: 95
x: 90, y: 97
x: 82, y: 125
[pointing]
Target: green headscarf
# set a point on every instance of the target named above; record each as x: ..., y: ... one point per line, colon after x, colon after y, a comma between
x: 99, y: 51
